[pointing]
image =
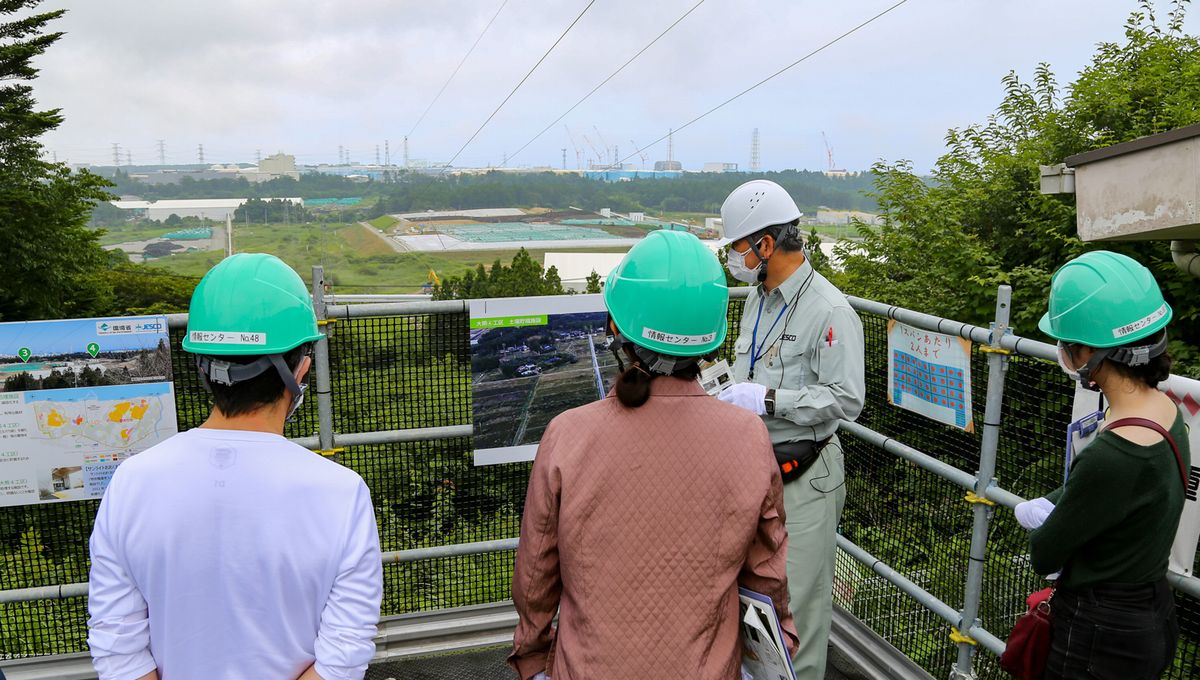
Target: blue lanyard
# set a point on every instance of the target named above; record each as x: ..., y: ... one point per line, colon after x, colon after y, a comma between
x: 755, y: 349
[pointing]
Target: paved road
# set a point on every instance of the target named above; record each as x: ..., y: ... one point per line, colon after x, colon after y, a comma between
x: 395, y: 245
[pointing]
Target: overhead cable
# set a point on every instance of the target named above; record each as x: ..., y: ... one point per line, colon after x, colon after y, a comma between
x: 605, y: 81
x: 456, y: 69
x: 755, y: 86
x: 518, y: 86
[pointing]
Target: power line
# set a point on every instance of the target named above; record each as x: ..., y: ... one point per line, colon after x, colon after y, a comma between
x: 755, y: 86
x: 456, y: 68
x: 605, y: 81
x: 518, y: 86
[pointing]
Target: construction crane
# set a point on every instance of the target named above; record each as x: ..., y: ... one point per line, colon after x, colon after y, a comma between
x: 607, y: 149
x: 833, y: 170
x: 578, y: 152
x: 635, y: 145
x: 599, y: 156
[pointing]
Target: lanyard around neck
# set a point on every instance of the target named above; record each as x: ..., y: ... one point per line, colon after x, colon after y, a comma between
x: 756, y: 350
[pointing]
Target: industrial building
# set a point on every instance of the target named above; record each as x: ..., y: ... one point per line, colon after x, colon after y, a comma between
x: 205, y: 208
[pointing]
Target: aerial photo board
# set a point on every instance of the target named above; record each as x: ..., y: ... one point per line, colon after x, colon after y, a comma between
x: 531, y: 359
x: 77, y: 397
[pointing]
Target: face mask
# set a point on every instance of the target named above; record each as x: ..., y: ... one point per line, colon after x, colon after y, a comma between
x: 1064, y: 363
x: 737, y: 266
x: 296, y: 401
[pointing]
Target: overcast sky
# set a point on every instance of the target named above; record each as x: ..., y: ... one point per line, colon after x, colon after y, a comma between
x: 304, y: 77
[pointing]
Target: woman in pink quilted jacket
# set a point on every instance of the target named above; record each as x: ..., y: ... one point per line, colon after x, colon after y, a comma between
x: 646, y: 510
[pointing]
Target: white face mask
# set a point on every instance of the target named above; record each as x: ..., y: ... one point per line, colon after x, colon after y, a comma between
x: 1064, y: 362
x: 737, y: 266
x: 296, y: 401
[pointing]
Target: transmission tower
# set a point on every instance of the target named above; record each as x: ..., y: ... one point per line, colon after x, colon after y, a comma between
x: 387, y: 153
x: 162, y: 152
x: 376, y: 154
x: 406, y: 151
x: 258, y: 156
x: 128, y: 158
x: 116, y: 154
x: 200, y: 149
x: 341, y: 155
x: 755, y: 165
x: 670, y: 145
x: 564, y: 161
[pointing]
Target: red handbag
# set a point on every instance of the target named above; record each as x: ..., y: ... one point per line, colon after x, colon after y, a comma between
x: 1028, y: 647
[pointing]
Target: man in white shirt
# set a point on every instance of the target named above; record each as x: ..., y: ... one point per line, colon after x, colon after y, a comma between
x: 227, y: 551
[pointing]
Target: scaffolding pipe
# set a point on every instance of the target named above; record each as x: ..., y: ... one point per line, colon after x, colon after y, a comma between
x: 396, y: 309
x: 321, y: 367
x: 918, y: 458
x: 973, y: 592
x: 922, y: 596
x: 937, y: 324
x: 69, y: 590
x: 412, y: 434
x: 440, y: 551
x: 1186, y: 255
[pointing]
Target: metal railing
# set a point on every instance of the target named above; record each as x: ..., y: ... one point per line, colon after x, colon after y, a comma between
x: 984, y: 496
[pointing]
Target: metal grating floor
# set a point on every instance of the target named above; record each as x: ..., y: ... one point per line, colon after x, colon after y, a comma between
x: 484, y: 664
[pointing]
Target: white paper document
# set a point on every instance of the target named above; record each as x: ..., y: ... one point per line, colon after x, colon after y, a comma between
x: 715, y: 377
x: 764, y: 652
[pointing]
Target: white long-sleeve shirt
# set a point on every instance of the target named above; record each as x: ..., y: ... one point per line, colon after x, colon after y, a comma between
x: 229, y: 554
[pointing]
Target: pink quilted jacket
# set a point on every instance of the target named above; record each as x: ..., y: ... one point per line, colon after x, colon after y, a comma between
x: 639, y: 526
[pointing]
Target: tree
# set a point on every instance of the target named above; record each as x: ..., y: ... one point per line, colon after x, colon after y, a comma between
x: 523, y: 277
x: 593, y: 283
x: 943, y: 246
x: 48, y: 252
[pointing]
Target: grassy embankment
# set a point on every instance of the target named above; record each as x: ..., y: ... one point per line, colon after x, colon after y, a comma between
x: 355, y: 260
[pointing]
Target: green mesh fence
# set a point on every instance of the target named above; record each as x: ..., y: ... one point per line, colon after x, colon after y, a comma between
x: 414, y: 371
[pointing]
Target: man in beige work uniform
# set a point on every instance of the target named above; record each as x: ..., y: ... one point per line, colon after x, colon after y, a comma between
x: 799, y: 366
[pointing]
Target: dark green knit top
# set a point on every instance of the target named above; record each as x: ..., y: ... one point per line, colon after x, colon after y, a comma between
x: 1115, y: 519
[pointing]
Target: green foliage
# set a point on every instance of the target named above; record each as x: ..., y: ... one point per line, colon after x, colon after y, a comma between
x: 694, y: 192
x: 593, y: 282
x: 524, y: 277
x: 44, y: 207
x: 258, y: 211
x: 944, y: 246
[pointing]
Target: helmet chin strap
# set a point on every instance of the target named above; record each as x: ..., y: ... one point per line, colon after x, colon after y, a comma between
x: 1130, y: 356
x: 1087, y: 370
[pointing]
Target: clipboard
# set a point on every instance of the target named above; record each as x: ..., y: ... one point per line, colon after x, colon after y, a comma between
x: 764, y: 652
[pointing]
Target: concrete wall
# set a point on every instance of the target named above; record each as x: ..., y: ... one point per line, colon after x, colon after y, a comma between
x: 1145, y: 195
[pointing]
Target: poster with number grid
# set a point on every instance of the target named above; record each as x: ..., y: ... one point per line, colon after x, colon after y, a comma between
x: 930, y: 373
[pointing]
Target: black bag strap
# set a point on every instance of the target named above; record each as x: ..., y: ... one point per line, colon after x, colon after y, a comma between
x: 1151, y: 425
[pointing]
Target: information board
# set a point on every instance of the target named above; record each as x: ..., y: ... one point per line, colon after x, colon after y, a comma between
x: 531, y: 359
x: 930, y: 373
x: 77, y: 397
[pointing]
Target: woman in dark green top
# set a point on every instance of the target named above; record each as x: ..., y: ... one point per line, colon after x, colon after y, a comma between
x: 1109, y: 529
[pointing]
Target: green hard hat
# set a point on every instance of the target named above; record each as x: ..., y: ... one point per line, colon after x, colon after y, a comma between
x: 1104, y: 299
x: 250, y: 304
x: 669, y: 295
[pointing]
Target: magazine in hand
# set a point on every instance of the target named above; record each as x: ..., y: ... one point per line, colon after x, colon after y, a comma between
x: 764, y: 652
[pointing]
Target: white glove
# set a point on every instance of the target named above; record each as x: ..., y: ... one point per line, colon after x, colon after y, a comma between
x: 748, y: 395
x: 1031, y: 514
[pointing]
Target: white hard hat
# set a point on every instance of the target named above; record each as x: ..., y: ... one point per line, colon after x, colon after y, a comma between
x: 754, y: 206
